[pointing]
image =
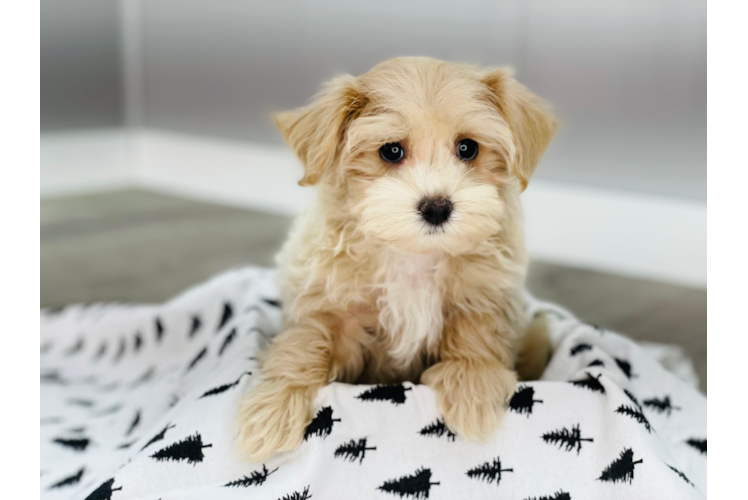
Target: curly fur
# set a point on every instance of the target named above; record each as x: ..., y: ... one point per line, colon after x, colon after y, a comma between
x: 372, y: 293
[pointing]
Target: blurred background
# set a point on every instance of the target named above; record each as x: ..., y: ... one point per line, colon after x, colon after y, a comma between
x: 160, y: 166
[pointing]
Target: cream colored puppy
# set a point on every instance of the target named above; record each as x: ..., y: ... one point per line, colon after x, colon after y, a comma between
x: 410, y: 264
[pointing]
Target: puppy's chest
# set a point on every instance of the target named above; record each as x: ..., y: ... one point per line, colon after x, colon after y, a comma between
x: 410, y: 296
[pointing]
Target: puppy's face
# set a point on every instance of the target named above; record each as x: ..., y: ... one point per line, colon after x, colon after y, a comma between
x: 422, y: 153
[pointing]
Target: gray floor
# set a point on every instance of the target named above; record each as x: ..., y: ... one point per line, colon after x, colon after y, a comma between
x: 136, y: 246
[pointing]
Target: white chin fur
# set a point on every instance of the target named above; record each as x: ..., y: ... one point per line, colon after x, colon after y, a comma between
x: 389, y: 210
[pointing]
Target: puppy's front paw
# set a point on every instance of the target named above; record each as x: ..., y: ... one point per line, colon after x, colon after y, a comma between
x: 471, y: 396
x: 272, y: 418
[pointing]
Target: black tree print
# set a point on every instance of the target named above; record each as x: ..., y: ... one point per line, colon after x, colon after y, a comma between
x: 353, y: 450
x: 226, y: 315
x: 523, y: 400
x: 125, y: 446
x: 138, y: 342
x: 158, y: 437
x: 625, y: 367
x: 632, y: 398
x: 634, y: 413
x: 254, y: 479
x: 438, y: 429
x: 159, y: 329
x: 195, y: 326
x: 272, y: 302
x: 591, y: 383
x: 661, y: 405
x: 189, y: 449
x: 52, y: 377
x: 145, y: 377
x: 227, y: 341
x: 121, y: 350
x: 559, y: 495
x: 75, y: 348
x: 197, y: 358
x: 579, y: 348
x: 101, y: 351
x: 134, y: 423
x: 565, y: 438
x: 322, y: 424
x: 416, y: 486
x: 699, y: 444
x: 621, y: 469
x: 103, y: 492
x: 224, y: 387
x: 394, y: 393
x: 69, y: 481
x: 77, y: 444
x: 682, y: 476
x: 489, y: 471
x: 596, y: 362
x: 304, y: 495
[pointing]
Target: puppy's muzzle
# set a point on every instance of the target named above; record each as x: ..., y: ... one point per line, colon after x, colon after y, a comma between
x: 435, y: 211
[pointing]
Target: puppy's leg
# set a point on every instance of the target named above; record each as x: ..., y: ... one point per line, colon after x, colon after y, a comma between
x: 474, y: 378
x: 273, y: 416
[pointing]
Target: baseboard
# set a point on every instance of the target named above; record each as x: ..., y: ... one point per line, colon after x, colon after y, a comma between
x: 621, y: 232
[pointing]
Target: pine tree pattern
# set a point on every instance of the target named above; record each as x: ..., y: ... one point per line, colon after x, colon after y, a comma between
x: 596, y: 362
x: 625, y: 367
x: 489, y: 471
x: 76, y: 444
x: 621, y: 469
x: 75, y: 348
x: 134, y: 423
x: 226, y: 315
x: 633, y: 399
x: 565, y: 438
x: 196, y: 359
x: 699, y: 444
x: 120, y: 351
x: 304, y: 495
x: 195, y: 325
x: 103, y: 492
x: 559, y: 495
x: 159, y: 329
x: 417, y: 485
x: 189, y: 449
x: 254, y: 479
x: 322, y: 424
x: 523, y: 400
x: 353, y: 450
x: 438, y: 429
x: 591, y: 383
x: 224, y: 387
x: 394, y: 393
x: 227, y: 341
x: 663, y: 405
x: 682, y: 476
x: 158, y: 437
x: 580, y: 348
x: 138, y: 342
x: 101, y: 351
x: 68, y: 481
x: 634, y: 413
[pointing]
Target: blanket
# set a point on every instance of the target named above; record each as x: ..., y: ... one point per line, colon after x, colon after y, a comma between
x: 137, y: 402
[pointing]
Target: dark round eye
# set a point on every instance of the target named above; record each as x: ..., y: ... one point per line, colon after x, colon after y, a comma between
x: 391, y: 152
x: 467, y: 149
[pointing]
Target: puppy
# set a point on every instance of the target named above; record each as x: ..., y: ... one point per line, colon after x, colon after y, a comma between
x: 410, y: 264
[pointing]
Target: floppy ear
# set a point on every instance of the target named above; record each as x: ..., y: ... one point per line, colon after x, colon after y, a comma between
x: 529, y: 118
x: 317, y: 131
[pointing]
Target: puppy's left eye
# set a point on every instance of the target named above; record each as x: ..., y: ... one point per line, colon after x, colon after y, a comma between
x: 467, y: 149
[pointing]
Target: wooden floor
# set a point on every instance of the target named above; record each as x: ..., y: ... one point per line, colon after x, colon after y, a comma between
x: 137, y: 246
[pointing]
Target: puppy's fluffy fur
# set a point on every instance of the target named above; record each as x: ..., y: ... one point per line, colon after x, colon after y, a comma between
x: 374, y: 294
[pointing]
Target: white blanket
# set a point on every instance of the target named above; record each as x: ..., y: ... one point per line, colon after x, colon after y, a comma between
x: 137, y: 402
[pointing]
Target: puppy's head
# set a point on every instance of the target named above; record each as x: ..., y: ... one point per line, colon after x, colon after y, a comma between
x: 424, y: 154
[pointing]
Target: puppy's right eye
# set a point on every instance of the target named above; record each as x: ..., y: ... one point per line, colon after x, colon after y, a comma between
x: 391, y: 152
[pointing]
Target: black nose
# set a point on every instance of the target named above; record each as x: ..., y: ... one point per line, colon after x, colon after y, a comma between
x: 435, y: 211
